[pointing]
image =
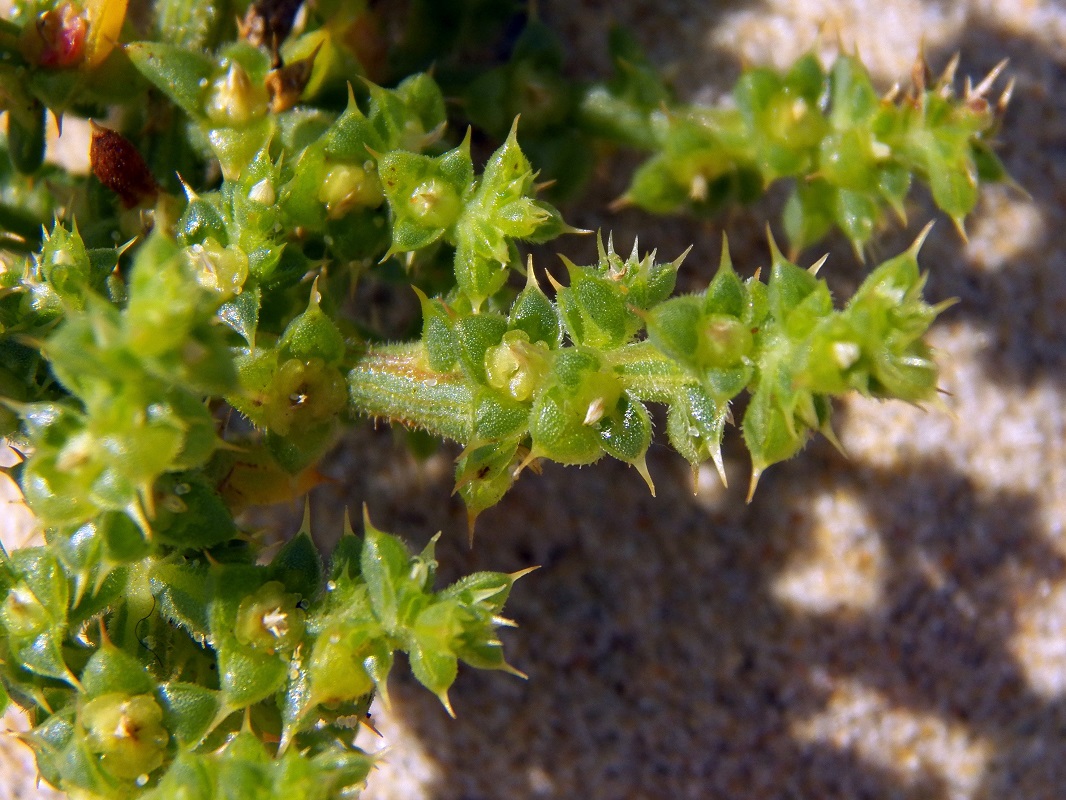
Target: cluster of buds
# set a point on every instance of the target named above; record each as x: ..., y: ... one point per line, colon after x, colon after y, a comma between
x: 434, y: 199
x: 851, y: 153
x: 138, y: 374
x: 297, y: 651
x: 513, y: 391
x: 295, y: 390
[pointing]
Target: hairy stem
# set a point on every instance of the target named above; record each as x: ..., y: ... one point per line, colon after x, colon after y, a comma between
x: 396, y: 383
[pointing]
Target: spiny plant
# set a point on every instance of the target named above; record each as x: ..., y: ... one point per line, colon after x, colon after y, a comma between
x: 567, y: 380
x: 178, y: 343
x: 851, y: 154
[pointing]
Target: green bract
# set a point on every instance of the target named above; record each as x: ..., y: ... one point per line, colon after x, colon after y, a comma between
x: 185, y: 332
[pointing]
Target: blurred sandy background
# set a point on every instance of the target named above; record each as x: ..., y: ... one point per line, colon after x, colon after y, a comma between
x: 890, y: 625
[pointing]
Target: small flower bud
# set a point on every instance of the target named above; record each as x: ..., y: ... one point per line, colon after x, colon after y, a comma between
x: 217, y: 268
x: 725, y: 341
x: 349, y: 186
x: 594, y: 413
x: 270, y: 620
x: 234, y: 100
x: 846, y: 353
x: 516, y: 365
x: 57, y: 39
x: 304, y: 394
x: 126, y: 732
x: 23, y: 614
x: 434, y: 204
x: 263, y: 193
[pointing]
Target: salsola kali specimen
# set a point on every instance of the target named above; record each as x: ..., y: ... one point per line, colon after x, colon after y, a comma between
x: 247, y: 176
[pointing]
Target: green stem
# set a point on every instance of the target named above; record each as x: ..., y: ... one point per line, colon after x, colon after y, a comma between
x: 648, y: 373
x: 396, y: 383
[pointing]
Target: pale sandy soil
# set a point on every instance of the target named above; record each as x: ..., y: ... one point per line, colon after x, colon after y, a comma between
x: 887, y: 625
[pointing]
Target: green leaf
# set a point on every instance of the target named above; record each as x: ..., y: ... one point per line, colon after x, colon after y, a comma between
x: 351, y: 134
x: 435, y: 669
x: 809, y: 212
x: 674, y: 328
x: 857, y: 213
x: 487, y: 590
x: 990, y: 168
x: 190, y: 26
x: 497, y: 417
x: 534, y: 314
x: 345, y: 561
x: 44, y: 577
x: 954, y: 184
x: 853, y: 99
x: 695, y: 425
x: 111, y: 670
x: 655, y: 187
x: 475, y: 335
x: 482, y: 256
x: 81, y: 769
x: 789, y: 287
x: 595, y: 310
x: 49, y: 739
x: 299, y: 196
x: 183, y: 594
x: 188, y: 711
x: 557, y: 427
x: 894, y: 184
x: 626, y: 432
x: 192, y: 515
x: 336, y: 669
x: 769, y: 430
x: 298, y: 565
x: 178, y: 72
x: 312, y: 334
x: 405, y: 117
x: 846, y: 160
x: 41, y: 653
x: 424, y: 100
x: 247, y: 676
x: 483, y: 475
x: 201, y: 220
x: 438, y: 332
x: 25, y: 136
x: 241, y: 313
x: 65, y: 265
x: 384, y: 565
x: 807, y: 78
